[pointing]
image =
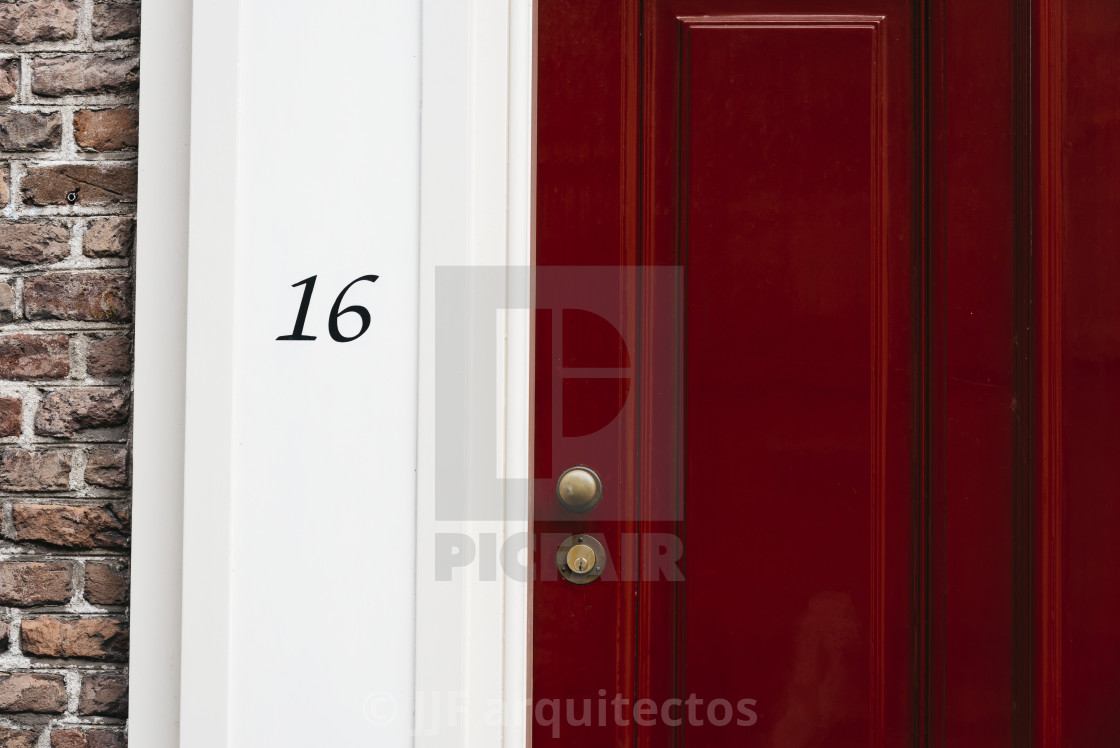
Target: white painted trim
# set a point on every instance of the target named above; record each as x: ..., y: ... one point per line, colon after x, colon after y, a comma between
x: 158, y: 402
x: 519, y: 356
x: 207, y: 488
x: 475, y: 209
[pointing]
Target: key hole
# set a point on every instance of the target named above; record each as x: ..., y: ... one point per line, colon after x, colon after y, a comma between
x: 581, y: 564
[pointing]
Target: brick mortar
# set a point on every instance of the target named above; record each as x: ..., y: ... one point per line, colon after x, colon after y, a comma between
x: 71, y: 289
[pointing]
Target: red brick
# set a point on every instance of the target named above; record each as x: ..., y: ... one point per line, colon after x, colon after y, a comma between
x: 95, y: 738
x: 97, y: 184
x: 106, y: 129
x: 7, y: 302
x: 106, y: 584
x: 104, y: 695
x: 30, y: 131
x: 109, y: 358
x: 65, y: 412
x: 27, y: 470
x: 116, y: 21
x: 41, y: 693
x: 9, y: 82
x: 29, y: 21
x: 91, y: 297
x: 71, y: 75
x: 33, y: 243
x: 109, y: 237
x: 91, y: 638
x: 71, y: 526
x: 27, y: 583
x: 107, y: 467
x: 24, y: 356
x: 11, y: 416
x: 10, y: 738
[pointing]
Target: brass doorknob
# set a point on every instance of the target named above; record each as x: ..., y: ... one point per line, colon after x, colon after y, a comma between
x: 579, y: 489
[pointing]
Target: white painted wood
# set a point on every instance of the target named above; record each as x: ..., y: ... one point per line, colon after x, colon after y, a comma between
x: 441, y: 607
x: 208, y: 450
x: 324, y: 432
x: 476, y: 209
x: 476, y: 198
x: 517, y: 688
x: 159, y: 385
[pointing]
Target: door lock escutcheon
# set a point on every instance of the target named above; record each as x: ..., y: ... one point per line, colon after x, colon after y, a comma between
x: 581, y: 559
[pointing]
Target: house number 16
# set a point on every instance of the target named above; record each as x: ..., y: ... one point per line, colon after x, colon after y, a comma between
x: 332, y: 320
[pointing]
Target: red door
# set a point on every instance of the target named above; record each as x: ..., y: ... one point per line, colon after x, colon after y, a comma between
x: 829, y: 305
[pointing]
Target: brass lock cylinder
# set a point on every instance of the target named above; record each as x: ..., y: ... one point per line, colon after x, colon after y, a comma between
x: 581, y: 559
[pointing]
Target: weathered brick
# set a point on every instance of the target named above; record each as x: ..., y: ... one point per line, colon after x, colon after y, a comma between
x: 65, y: 412
x: 93, y: 297
x: 71, y: 75
x: 30, y: 21
x: 94, y: 738
x: 116, y: 21
x: 24, y: 356
x: 7, y: 302
x: 12, y: 738
x: 71, y: 526
x: 26, y: 470
x: 104, y: 695
x: 109, y: 358
x: 9, y: 80
x: 47, y: 61
x: 11, y: 416
x: 97, y: 184
x: 106, y: 584
x: 109, y: 237
x: 92, y: 638
x: 42, y: 693
x: 27, y: 583
x: 107, y: 467
x: 33, y: 243
x: 106, y: 129
x: 30, y: 131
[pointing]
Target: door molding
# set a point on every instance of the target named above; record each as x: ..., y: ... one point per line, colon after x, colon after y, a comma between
x: 476, y: 210
x: 1049, y: 232
x: 159, y: 382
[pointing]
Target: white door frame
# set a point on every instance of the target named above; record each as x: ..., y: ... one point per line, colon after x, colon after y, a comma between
x: 160, y: 374
x: 476, y: 209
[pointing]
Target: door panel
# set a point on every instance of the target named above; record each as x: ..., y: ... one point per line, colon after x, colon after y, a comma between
x: 587, y: 175
x: 976, y: 624
x: 1080, y: 351
x: 798, y: 470
x: 855, y: 254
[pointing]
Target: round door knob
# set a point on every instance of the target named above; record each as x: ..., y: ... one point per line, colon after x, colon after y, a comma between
x: 581, y: 559
x: 579, y: 489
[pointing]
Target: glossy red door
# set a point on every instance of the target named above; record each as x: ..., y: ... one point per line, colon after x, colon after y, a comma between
x: 801, y: 291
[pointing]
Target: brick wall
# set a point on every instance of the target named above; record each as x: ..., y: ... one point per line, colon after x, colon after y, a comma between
x: 68, y: 80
